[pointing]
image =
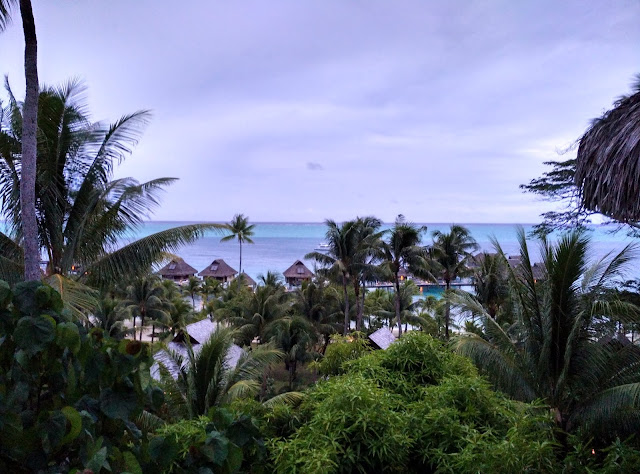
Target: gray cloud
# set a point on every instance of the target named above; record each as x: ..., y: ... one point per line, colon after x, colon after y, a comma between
x: 314, y: 166
x: 444, y: 108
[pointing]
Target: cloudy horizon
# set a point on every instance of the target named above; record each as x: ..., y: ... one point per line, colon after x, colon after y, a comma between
x: 292, y: 111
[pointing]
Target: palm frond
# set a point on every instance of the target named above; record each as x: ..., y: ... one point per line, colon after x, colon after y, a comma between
x: 78, y: 298
x: 138, y: 257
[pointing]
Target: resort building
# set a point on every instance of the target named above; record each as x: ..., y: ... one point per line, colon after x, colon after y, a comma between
x: 198, y: 333
x: 250, y: 282
x: 177, y: 270
x: 219, y: 270
x: 297, y: 273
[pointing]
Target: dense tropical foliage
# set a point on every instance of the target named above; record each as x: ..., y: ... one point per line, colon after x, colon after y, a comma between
x: 557, y: 352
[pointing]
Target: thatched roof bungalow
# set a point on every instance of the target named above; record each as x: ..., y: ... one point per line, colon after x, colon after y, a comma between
x: 297, y: 273
x: 219, y: 270
x: 177, y: 270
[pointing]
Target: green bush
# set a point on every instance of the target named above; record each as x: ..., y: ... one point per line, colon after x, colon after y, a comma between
x: 221, y: 443
x: 415, y: 407
x: 342, y: 349
x: 68, y: 397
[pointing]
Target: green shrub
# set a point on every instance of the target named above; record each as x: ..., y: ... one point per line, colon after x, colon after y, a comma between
x: 221, y: 443
x: 68, y: 398
x: 342, y: 349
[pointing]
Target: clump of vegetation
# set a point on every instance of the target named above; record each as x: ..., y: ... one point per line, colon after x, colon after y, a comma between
x: 416, y: 407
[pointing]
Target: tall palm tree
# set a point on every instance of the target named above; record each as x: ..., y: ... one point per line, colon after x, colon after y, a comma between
x: 241, y: 231
x: 83, y: 215
x: 400, y: 250
x: 340, y: 258
x: 29, y: 133
x: 145, y: 298
x: 317, y: 302
x: 554, y: 356
x: 256, y: 310
x: 490, y: 282
x: 205, y: 379
x: 367, y: 248
x: 294, y: 336
x: 193, y: 288
x: 451, y: 253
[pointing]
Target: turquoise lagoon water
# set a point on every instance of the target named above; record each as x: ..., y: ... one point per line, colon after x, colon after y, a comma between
x: 278, y: 245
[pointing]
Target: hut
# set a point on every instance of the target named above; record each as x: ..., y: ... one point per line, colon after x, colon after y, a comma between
x: 219, y: 270
x: 382, y: 338
x: 177, y: 270
x: 250, y: 282
x: 297, y: 273
x: 198, y: 333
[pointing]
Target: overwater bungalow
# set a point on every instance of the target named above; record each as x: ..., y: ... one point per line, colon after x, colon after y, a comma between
x: 297, y: 273
x: 219, y: 270
x: 177, y: 270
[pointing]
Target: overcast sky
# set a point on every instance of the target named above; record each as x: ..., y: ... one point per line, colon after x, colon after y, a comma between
x: 306, y: 110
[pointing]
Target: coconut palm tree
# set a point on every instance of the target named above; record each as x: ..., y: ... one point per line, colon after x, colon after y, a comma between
x: 205, y: 378
x: 193, y: 288
x: 451, y: 253
x: 401, y: 249
x: 554, y: 356
x: 256, y: 310
x: 29, y: 132
x: 318, y: 303
x: 294, y: 336
x: 83, y: 215
x: 241, y: 231
x: 110, y: 316
x: 368, y: 243
x: 490, y: 282
x: 145, y: 298
x: 341, y: 257
x: 607, y: 172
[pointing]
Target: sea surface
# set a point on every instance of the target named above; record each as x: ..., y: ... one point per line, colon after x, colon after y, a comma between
x: 278, y: 245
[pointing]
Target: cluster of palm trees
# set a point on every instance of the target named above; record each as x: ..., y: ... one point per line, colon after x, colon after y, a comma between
x: 360, y: 252
x: 560, y: 335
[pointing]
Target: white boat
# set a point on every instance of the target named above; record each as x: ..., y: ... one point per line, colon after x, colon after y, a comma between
x: 322, y: 247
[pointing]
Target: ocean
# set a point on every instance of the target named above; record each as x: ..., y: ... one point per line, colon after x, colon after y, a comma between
x: 279, y: 244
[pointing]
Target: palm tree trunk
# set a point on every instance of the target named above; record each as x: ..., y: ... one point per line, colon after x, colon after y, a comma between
x: 346, y: 304
x: 356, y: 289
x: 447, y: 310
x: 364, y: 293
x: 397, y: 304
x: 29, y: 146
x: 240, y: 257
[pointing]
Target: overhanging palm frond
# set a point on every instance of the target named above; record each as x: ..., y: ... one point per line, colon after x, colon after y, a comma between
x: 138, y: 257
x: 78, y: 298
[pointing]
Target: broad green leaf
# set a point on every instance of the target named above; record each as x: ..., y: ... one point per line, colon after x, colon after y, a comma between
x: 118, y: 404
x: 68, y: 336
x: 216, y: 447
x: 33, y: 333
x: 97, y: 462
x: 75, y: 420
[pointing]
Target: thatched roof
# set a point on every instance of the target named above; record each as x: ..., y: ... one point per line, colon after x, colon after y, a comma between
x: 247, y: 279
x: 382, y: 338
x: 218, y: 269
x: 608, y: 162
x: 539, y: 271
x: 199, y: 333
x: 177, y: 267
x: 298, y: 270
